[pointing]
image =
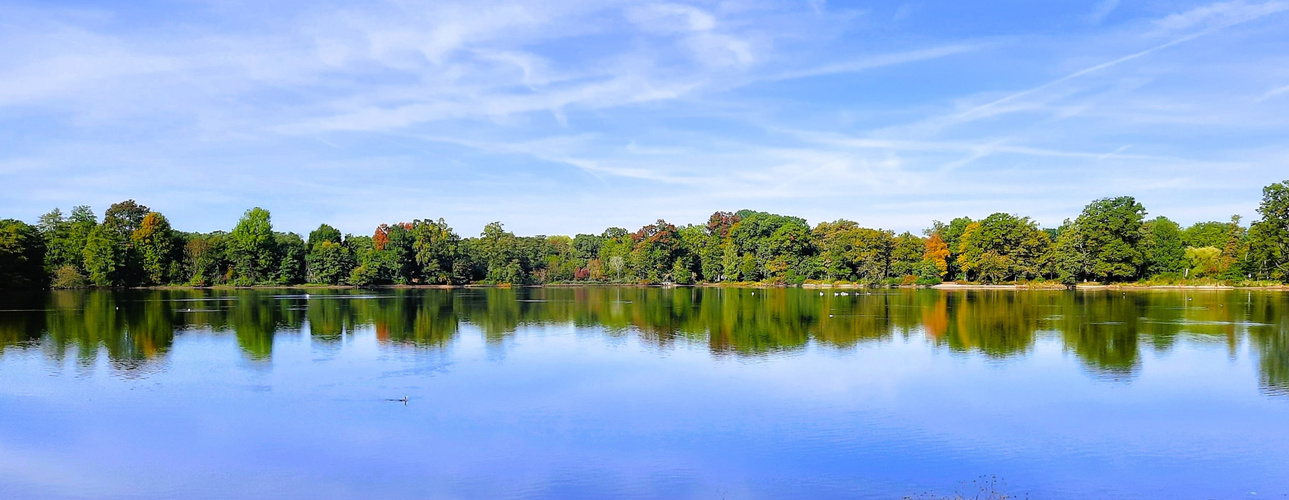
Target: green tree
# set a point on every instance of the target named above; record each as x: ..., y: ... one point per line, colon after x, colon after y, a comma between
x: 205, y: 259
x: 656, y: 249
x: 1070, y: 254
x: 768, y: 246
x: 1161, y: 242
x: 853, y: 253
x: 330, y: 263
x: 394, y: 256
x: 22, y: 255
x: 65, y: 239
x: 153, y: 240
x: 1109, y: 235
x: 615, y: 246
x: 1003, y: 247
x: 436, y: 249
x: 1269, y: 236
x: 1205, y: 262
x: 951, y: 234
x: 906, y: 257
x: 104, y: 256
x: 291, y: 251
x: 125, y: 217
x: 1235, y: 250
x: 499, y: 251
x: 252, y: 248
x: 1205, y: 234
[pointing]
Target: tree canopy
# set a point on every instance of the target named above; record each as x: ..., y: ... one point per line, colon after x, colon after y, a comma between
x: 1111, y: 240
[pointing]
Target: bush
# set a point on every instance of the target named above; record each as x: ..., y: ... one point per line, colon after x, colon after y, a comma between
x: 364, y: 275
x: 69, y: 277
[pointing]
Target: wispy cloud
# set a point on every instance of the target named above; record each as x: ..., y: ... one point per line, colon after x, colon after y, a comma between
x: 876, y: 61
x: 1103, y: 9
x: 1229, y: 17
x: 1275, y: 92
x: 1216, y: 16
x: 612, y: 112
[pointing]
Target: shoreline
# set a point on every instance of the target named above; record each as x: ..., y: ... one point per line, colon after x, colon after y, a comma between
x: 848, y: 286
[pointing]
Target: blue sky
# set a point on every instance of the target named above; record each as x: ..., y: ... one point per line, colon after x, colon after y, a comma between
x: 565, y: 117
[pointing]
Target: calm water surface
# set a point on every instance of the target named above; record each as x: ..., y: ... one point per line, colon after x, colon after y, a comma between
x: 636, y: 392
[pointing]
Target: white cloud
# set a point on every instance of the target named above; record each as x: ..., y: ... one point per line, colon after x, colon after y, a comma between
x: 1275, y: 92
x: 671, y: 18
x: 480, y: 112
x: 1216, y: 15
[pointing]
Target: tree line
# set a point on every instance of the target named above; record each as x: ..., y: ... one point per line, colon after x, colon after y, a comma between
x: 1112, y: 240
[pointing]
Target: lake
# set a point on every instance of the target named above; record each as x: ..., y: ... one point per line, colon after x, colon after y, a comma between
x: 630, y: 392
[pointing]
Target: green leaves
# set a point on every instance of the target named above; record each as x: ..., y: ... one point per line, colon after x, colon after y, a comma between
x: 1003, y: 247
x: 1104, y: 242
x: 1110, y: 241
x: 22, y: 255
x: 252, y: 246
x: 1268, y: 238
x: 104, y: 256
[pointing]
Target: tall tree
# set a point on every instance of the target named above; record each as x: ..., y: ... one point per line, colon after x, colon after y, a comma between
x: 291, y: 251
x: 951, y: 233
x: 105, y: 257
x: 252, y: 246
x: 1109, y: 233
x: 768, y: 246
x: 853, y: 253
x: 22, y: 255
x: 657, y: 246
x: 1164, y: 252
x: 1269, y: 236
x: 1003, y: 247
x: 154, y: 242
x: 1205, y: 234
x: 499, y: 251
x: 437, y: 251
x: 125, y: 217
x: 937, y: 253
x: 907, y: 255
x: 206, y: 259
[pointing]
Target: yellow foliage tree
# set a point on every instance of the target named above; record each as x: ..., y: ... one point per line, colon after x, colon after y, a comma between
x: 937, y: 251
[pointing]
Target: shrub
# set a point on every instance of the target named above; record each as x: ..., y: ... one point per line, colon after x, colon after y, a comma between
x: 69, y: 277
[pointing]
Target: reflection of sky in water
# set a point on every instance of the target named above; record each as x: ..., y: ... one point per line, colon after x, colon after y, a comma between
x: 551, y: 409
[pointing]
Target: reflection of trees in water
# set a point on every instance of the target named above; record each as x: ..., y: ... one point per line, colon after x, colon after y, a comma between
x: 328, y: 318
x: 131, y: 330
x: 258, y: 316
x: 1101, y: 329
x: 996, y: 323
x: 427, y: 320
x: 1269, y: 336
x: 1106, y: 330
x: 23, y: 319
x: 254, y: 324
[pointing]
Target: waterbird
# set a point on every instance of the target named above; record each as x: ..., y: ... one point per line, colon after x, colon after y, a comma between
x: 404, y: 400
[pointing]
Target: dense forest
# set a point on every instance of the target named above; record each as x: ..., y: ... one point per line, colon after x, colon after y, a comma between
x: 1112, y: 240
